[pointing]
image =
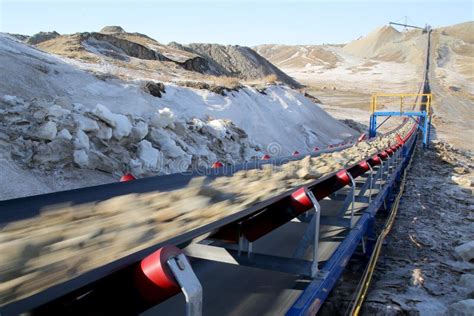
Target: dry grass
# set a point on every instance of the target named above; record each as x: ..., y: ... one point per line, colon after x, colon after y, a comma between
x: 224, y: 81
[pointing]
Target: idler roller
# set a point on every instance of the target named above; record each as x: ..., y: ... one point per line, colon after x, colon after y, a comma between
x: 154, y: 279
x: 383, y: 155
x: 364, y: 166
x: 300, y: 200
x: 217, y: 164
x: 375, y: 161
x: 343, y: 177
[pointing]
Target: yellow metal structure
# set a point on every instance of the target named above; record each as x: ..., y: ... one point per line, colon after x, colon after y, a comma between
x: 423, y: 100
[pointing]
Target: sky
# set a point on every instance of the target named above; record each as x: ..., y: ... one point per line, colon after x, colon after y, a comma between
x: 229, y: 21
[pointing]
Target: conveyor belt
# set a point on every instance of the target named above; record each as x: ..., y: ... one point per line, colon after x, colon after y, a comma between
x: 249, y: 287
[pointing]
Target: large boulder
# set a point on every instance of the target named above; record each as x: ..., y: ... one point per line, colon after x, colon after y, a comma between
x: 104, y: 114
x: 48, y: 131
x: 155, y: 88
x: 466, y: 251
x: 164, y: 118
x: 147, y: 154
x: 122, y: 128
x: 81, y: 158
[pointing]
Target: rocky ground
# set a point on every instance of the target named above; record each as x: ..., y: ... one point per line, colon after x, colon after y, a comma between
x: 61, y: 136
x: 426, y: 266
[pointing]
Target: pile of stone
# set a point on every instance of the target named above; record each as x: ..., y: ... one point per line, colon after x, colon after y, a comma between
x: 66, y: 241
x: 53, y: 135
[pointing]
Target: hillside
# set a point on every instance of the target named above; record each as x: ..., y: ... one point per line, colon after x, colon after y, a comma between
x: 388, y: 44
x: 299, y: 56
x: 62, y: 127
x: 238, y: 61
x: 138, y: 52
x: 388, y: 60
x: 452, y: 83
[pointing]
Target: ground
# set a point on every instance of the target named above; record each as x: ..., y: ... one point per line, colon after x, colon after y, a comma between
x: 419, y: 271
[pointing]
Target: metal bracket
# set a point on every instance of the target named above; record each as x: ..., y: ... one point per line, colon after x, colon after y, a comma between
x: 371, y: 182
x: 189, y: 283
x: 317, y: 216
x: 311, y: 235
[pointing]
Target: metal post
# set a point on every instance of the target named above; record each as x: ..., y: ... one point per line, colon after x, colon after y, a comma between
x: 189, y: 284
x: 317, y: 215
x: 425, y: 130
x: 381, y: 169
x: 373, y: 125
x: 353, y: 184
x: 371, y: 177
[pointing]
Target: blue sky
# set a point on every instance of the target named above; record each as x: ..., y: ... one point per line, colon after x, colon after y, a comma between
x: 229, y: 22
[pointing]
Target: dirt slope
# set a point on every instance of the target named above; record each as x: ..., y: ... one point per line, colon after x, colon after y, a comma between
x: 452, y: 83
x: 292, y: 56
x: 138, y: 52
x: 237, y: 61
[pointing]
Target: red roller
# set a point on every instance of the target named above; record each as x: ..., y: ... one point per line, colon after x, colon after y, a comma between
x: 154, y: 279
x: 266, y: 157
x: 296, y: 153
x: 375, y: 160
x: 217, y: 164
x: 343, y: 177
x: 300, y: 200
x: 394, y: 148
x: 364, y: 165
x: 316, y: 149
x: 389, y: 151
x: 383, y: 155
x: 330, y: 146
x: 127, y: 177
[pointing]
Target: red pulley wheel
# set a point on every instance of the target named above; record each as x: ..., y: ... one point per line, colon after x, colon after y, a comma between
x: 343, y: 177
x: 154, y: 278
x: 375, y: 160
x: 300, y: 200
x: 364, y: 165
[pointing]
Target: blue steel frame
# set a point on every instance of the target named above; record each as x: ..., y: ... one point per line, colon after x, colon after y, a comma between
x: 310, y: 301
x: 424, y: 123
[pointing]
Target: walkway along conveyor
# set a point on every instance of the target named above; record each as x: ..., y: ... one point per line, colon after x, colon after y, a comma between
x: 125, y: 275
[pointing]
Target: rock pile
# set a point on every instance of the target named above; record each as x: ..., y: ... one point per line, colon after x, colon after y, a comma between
x: 52, y: 135
x: 42, y: 251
